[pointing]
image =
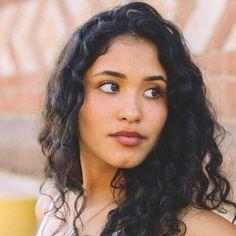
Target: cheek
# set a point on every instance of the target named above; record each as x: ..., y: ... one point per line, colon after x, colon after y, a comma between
x: 94, y: 111
x: 156, y: 118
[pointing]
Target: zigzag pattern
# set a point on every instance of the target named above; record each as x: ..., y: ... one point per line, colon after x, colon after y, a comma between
x: 32, y: 32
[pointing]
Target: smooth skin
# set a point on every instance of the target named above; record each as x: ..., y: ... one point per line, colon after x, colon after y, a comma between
x: 123, y: 99
x: 125, y: 89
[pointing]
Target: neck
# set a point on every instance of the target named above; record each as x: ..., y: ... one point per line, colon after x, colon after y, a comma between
x: 97, y: 179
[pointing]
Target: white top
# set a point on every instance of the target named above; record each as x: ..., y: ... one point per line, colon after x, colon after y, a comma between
x: 44, y: 222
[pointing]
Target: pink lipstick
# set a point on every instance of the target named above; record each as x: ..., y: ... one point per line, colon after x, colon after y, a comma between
x: 128, y: 138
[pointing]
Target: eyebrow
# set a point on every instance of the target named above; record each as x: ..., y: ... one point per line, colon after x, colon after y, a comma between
x: 123, y: 76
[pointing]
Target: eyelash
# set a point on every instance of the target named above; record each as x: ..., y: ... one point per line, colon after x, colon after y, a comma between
x: 159, y: 90
x: 108, y: 82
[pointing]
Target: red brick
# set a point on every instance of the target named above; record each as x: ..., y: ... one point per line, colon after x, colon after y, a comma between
x: 224, y: 27
x: 231, y: 63
x: 22, y: 95
x: 20, y: 99
x: 231, y: 97
x: 184, y: 10
x: 217, y: 94
x: 212, y: 62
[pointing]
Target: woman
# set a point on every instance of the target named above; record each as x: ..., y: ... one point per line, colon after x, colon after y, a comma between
x: 131, y: 142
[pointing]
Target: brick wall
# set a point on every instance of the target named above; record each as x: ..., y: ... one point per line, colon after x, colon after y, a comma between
x: 33, y: 32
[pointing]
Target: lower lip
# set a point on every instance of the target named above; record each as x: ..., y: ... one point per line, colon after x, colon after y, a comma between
x: 128, y: 141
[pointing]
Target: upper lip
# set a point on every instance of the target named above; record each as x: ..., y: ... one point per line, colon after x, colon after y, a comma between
x: 128, y: 134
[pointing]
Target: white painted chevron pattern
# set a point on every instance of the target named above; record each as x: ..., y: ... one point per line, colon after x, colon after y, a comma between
x: 230, y: 44
x: 7, y: 66
x: 21, y: 37
x: 50, y: 33
x: 33, y: 32
x: 202, y: 23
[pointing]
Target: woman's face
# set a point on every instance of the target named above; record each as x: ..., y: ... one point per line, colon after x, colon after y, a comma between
x: 125, y: 106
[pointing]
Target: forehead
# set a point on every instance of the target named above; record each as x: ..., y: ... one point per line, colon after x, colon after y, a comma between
x: 129, y: 39
x: 127, y: 44
x: 129, y: 53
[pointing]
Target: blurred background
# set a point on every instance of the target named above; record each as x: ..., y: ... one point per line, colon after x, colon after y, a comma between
x: 33, y: 32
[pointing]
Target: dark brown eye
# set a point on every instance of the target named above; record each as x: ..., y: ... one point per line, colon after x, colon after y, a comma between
x: 153, y: 92
x: 109, y: 87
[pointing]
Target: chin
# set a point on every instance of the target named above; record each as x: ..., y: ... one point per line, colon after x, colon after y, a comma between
x: 127, y: 164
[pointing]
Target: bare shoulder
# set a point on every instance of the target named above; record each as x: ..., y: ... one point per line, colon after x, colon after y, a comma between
x: 44, y: 201
x: 207, y: 223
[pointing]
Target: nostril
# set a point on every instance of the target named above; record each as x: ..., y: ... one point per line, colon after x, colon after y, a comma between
x: 130, y: 115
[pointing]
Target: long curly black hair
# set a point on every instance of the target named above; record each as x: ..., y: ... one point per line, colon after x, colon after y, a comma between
x: 182, y: 170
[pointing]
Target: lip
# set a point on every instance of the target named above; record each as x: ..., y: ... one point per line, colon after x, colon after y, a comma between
x: 128, y: 138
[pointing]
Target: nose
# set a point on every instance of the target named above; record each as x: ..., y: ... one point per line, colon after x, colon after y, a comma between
x: 130, y: 109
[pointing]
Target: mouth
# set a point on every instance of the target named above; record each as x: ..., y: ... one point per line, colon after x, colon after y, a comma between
x: 128, y: 138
